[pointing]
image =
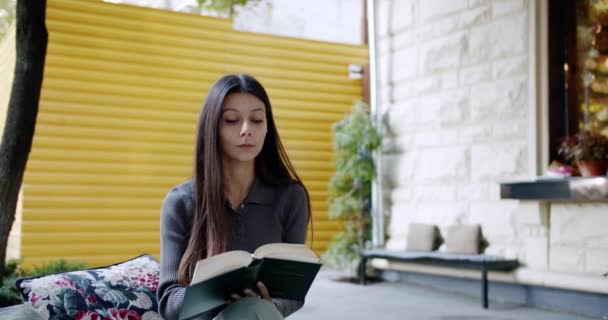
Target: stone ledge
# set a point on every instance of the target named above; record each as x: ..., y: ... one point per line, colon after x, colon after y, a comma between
x: 558, y: 189
x: 523, y: 275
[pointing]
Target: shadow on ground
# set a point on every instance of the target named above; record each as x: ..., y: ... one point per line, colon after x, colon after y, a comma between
x: 336, y: 296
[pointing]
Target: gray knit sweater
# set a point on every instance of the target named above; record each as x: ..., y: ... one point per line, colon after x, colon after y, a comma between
x: 269, y: 214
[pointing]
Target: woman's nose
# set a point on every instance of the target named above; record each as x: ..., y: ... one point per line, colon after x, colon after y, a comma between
x: 246, y: 129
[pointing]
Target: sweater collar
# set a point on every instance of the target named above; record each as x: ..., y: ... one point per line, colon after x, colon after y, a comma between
x: 260, y: 193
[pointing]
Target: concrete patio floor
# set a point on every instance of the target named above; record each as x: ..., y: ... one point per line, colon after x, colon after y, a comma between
x: 330, y: 299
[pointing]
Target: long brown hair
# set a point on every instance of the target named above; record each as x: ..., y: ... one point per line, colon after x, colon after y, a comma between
x: 210, y: 229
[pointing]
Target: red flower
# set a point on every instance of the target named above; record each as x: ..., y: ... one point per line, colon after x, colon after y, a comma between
x: 87, y: 315
x: 122, y: 314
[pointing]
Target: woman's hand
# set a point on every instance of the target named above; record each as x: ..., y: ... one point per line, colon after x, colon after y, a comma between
x: 250, y: 293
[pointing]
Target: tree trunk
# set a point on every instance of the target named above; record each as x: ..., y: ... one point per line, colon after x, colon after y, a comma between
x: 16, y: 144
x: 361, y: 225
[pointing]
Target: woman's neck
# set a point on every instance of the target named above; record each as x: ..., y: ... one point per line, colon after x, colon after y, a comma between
x: 238, y: 179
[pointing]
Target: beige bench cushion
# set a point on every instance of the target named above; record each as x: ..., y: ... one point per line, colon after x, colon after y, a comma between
x: 423, y: 237
x: 464, y: 239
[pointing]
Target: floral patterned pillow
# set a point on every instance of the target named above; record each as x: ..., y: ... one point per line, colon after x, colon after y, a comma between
x: 124, y: 291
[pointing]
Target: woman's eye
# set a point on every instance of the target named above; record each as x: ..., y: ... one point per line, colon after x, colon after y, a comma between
x: 231, y: 121
x: 257, y: 121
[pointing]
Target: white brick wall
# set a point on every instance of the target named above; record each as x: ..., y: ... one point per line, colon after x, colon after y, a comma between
x: 498, y: 161
x: 455, y: 91
x: 580, y: 229
x: 400, y: 60
x: 501, y: 8
x: 404, y: 15
x: 498, y: 100
x: 336, y: 21
x: 434, y: 8
x: 497, y: 220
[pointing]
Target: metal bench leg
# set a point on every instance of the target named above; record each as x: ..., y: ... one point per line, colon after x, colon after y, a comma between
x: 484, y: 286
x: 362, y: 275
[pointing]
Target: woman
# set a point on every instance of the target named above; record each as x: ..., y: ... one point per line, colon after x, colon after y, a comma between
x: 244, y: 193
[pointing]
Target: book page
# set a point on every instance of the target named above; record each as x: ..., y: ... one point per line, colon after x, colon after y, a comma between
x: 219, y: 264
x: 287, y: 251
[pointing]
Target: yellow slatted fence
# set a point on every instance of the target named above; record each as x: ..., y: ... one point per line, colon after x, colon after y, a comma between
x: 122, y: 91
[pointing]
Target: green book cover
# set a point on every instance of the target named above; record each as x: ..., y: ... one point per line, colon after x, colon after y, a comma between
x: 284, y: 278
x: 287, y: 279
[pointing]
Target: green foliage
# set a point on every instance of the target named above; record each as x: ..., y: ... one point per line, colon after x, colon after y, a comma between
x: 224, y: 6
x: 9, y: 294
x: 343, y: 207
x: 355, y: 139
x: 55, y: 266
x: 342, y: 253
x: 11, y: 267
x: 7, y: 15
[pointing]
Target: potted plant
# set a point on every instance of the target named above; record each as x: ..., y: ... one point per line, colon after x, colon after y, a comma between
x: 588, y: 150
x: 355, y: 139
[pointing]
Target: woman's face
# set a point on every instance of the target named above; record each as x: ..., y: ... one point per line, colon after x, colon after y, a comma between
x: 242, y: 127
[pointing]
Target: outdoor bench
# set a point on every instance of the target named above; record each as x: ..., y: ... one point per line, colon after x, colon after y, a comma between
x: 480, y: 262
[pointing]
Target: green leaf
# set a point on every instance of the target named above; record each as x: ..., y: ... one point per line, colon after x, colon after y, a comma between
x: 110, y: 295
x: 344, y: 207
x: 340, y: 183
x: 7, y: 15
x: 73, y: 302
x: 130, y: 295
x: 11, y: 266
x: 225, y: 6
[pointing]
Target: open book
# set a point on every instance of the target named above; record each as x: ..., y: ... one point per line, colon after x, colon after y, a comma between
x: 287, y: 270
